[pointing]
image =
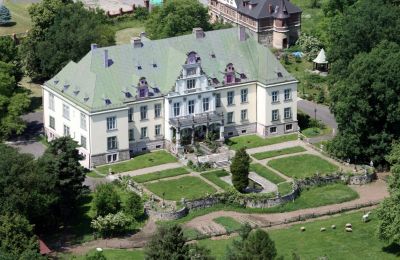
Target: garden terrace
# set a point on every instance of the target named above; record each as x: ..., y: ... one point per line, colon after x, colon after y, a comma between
x: 275, y: 153
x: 252, y: 141
x: 215, y: 177
x: 302, y: 166
x: 160, y: 175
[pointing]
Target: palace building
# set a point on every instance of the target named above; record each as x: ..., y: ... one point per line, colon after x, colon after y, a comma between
x: 277, y: 23
x: 165, y: 94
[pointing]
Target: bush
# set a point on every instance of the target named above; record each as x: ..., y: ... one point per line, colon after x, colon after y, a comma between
x: 310, y: 45
x: 106, y: 199
x: 133, y: 205
x: 240, y: 170
x: 5, y: 16
x: 111, y: 224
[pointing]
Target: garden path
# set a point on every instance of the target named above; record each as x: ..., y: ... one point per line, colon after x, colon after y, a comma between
x: 152, y: 169
x: 373, y: 192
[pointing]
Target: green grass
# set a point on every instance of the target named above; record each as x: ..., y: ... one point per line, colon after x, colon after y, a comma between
x: 20, y: 17
x: 252, y: 141
x: 215, y: 177
x: 301, y: 166
x: 127, y: 29
x: 110, y: 254
x: 160, y: 175
x: 139, y: 162
x: 274, y: 153
x: 94, y: 174
x: 311, y: 198
x: 362, y: 243
x: 187, y: 187
x: 228, y: 223
x: 266, y: 173
x: 191, y: 233
x: 315, y: 131
x: 285, y: 188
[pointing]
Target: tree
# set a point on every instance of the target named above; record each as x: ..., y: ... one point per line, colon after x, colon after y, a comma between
x: 16, y: 235
x: 334, y: 7
x: 56, y: 39
x: 309, y: 44
x: 5, y: 16
x: 9, y: 51
x: 257, y: 245
x: 98, y: 255
x: 176, y: 17
x: 389, y: 210
x: 133, y: 205
x: 111, y: 224
x: 240, y: 170
x: 365, y: 105
x: 61, y: 159
x: 106, y: 199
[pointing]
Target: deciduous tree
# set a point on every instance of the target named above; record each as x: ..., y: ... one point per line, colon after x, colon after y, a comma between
x: 106, y: 199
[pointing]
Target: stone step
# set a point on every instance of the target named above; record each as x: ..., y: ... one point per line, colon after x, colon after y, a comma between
x: 222, y: 164
x: 205, y: 149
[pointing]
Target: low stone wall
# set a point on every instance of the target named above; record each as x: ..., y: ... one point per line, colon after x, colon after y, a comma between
x: 361, y: 179
x: 166, y: 215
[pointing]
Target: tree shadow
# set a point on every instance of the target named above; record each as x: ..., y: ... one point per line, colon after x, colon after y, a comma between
x: 36, y: 103
x: 393, y: 249
x: 9, y: 24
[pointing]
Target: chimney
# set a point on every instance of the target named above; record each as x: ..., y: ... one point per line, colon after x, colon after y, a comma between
x: 242, y: 33
x: 136, y: 42
x: 198, y: 32
x: 93, y: 46
x: 106, y: 63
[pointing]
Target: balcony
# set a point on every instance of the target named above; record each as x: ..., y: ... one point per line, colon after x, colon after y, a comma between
x: 198, y: 119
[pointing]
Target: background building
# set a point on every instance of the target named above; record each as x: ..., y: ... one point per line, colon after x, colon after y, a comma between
x: 167, y: 93
x: 277, y: 23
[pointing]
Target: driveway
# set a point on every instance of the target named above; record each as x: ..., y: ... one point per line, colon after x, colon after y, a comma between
x: 27, y: 142
x: 323, y: 112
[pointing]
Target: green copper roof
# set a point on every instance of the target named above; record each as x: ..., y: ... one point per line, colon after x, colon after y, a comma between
x: 88, y: 82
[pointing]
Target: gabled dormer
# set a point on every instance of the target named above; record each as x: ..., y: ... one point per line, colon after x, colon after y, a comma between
x: 142, y: 89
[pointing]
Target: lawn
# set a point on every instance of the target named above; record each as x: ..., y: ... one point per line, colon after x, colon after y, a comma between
x: 252, y: 141
x: 19, y: 15
x: 315, y: 131
x: 228, y: 223
x: 285, y: 188
x: 125, y: 30
x: 314, y: 197
x: 362, y: 243
x: 266, y: 173
x: 302, y: 166
x: 110, y: 254
x: 274, y: 153
x: 187, y: 187
x: 160, y: 175
x: 215, y: 177
x: 139, y: 162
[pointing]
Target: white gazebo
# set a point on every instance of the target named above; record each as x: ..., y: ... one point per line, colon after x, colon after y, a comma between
x: 320, y: 63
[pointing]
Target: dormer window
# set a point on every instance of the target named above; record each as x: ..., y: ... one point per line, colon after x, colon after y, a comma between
x: 191, y: 71
x: 243, y: 76
x: 279, y: 74
x: 142, y: 93
x: 139, y: 67
x: 107, y: 101
x: 65, y: 87
x: 229, y: 74
x: 192, y: 58
x: 76, y: 92
x: 128, y: 95
x: 154, y: 65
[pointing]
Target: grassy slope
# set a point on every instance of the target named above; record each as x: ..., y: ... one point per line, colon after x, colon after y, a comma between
x: 188, y: 187
x: 285, y: 187
x: 274, y: 153
x: 266, y: 173
x: 362, y: 243
x: 301, y: 166
x: 251, y: 141
x: 215, y: 177
x: 20, y: 15
x: 160, y: 175
x: 139, y: 162
x: 228, y: 223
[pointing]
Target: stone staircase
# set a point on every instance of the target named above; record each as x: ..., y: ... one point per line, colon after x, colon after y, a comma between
x: 205, y: 149
x: 222, y: 164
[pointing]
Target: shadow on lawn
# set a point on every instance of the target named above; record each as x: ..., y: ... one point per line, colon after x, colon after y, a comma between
x: 393, y: 249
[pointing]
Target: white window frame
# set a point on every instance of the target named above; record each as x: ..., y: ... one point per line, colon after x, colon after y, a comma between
x: 51, y: 118
x: 157, y: 130
x: 286, y: 127
x: 83, y: 121
x: 157, y: 110
x: 206, y: 104
x: 244, y: 115
x: 218, y: 100
x: 67, y: 131
x: 113, y: 157
x: 275, y: 115
x: 111, y: 123
x: 230, y: 96
x: 131, y: 134
x: 51, y: 102
x: 244, y: 95
x: 114, y: 141
x: 288, y: 94
x: 190, y: 83
x: 83, y: 143
x: 230, y: 117
x: 275, y: 96
x: 273, y: 130
x: 191, y: 106
x: 288, y: 112
x: 176, y: 109
x: 143, y: 132
x: 66, y: 111
x: 143, y: 113
x: 130, y: 114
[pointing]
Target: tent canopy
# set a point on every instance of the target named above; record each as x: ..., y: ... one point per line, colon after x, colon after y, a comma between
x: 321, y: 58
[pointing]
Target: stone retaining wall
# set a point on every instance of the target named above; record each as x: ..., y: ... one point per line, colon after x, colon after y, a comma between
x: 166, y: 215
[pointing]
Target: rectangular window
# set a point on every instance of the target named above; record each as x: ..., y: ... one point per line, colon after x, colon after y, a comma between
x: 275, y: 96
x: 51, y: 101
x: 230, y: 117
x: 131, y: 134
x: 218, y: 100
x: 243, y: 95
x: 272, y: 130
x: 83, y: 141
x: 177, y: 109
x: 112, y: 143
x: 111, y: 123
x: 206, y: 104
x: 143, y: 132
x: 289, y: 127
x: 83, y: 121
x: 66, y: 131
x: 52, y: 122
x: 191, y: 107
x: 66, y: 111
x: 288, y: 112
x: 243, y: 115
x: 288, y: 94
x: 190, y: 83
x: 112, y: 158
x: 275, y: 115
x: 143, y: 112
x: 231, y: 95
x: 158, y: 130
x: 130, y: 114
x: 157, y: 110
x: 191, y: 71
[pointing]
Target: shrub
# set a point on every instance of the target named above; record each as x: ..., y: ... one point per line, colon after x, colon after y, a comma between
x: 106, y: 199
x: 5, y: 16
x: 133, y: 205
x: 111, y: 224
x: 240, y: 169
